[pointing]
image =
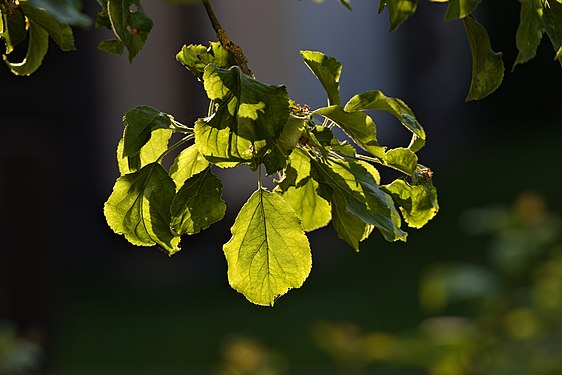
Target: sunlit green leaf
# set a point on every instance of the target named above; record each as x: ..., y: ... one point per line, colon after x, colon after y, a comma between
x: 61, y: 33
x: 487, y: 65
x: 376, y: 100
x: 403, y: 159
x: 327, y: 70
x: 530, y: 30
x: 357, y: 125
x: 418, y: 203
x: 400, y: 11
x: 312, y: 210
x: 291, y: 133
x: 139, y: 208
x: 298, y: 168
x: 140, y: 122
x: 349, y: 227
x: 65, y: 11
x: 329, y: 142
x: 130, y: 24
x: 351, y: 183
x: 248, y: 121
x: 460, y: 8
x: 198, y: 203
x: 196, y: 57
x: 12, y: 28
x: 268, y: 253
x: 149, y: 153
x: 36, y: 51
x: 187, y: 164
x: 552, y: 17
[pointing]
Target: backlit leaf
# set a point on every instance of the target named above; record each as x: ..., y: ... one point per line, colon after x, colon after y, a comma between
x: 61, y: 33
x: 460, y: 8
x: 139, y: 124
x: 327, y: 70
x: 312, y: 210
x: 36, y: 51
x: 196, y: 57
x: 188, y: 163
x: 12, y: 28
x: 248, y: 121
x: 400, y: 11
x: 552, y: 17
x: 139, y: 208
x: 530, y: 30
x: 487, y: 65
x: 268, y: 253
x: 149, y: 152
x: 418, y: 203
x: 376, y: 100
x: 198, y: 203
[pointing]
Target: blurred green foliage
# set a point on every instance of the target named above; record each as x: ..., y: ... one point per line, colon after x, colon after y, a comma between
x: 505, y: 318
x: 18, y: 355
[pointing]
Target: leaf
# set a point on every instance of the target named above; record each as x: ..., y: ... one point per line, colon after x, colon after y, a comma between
x: 291, y: 133
x: 460, y: 8
x: 198, y: 203
x: 297, y: 170
x: 350, y: 183
x: 187, y: 164
x: 402, y: 159
x: 418, y: 203
x: 349, y: 227
x: 329, y: 142
x: 312, y: 210
x: 552, y: 17
x: 487, y: 65
x: 36, y: 51
x: 530, y: 30
x: 268, y: 253
x: 61, y: 33
x: 345, y: 3
x: 139, y: 208
x: 400, y: 11
x: 130, y: 24
x: 65, y: 11
x: 357, y: 125
x: 140, y: 122
x: 327, y: 70
x: 114, y: 47
x: 12, y: 28
x: 376, y: 100
x: 196, y: 57
x: 248, y: 121
x: 149, y: 153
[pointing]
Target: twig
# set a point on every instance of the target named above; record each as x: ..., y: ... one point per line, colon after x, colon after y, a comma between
x: 224, y: 39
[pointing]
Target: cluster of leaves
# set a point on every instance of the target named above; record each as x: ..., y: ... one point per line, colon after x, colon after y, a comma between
x: 536, y: 18
x: 503, y: 318
x: 320, y: 178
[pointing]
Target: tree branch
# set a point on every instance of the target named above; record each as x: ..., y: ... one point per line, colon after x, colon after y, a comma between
x: 224, y: 39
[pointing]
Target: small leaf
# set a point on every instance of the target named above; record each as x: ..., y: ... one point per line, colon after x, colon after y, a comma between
x: 36, y: 51
x: 552, y: 17
x: 198, y: 203
x: 345, y: 3
x: 312, y: 210
x: 65, y: 11
x: 327, y: 70
x: 349, y: 227
x: 530, y: 30
x: 130, y: 24
x: 196, y: 57
x: 460, y: 8
x: 297, y: 170
x: 376, y: 100
x: 248, y: 121
x: 402, y: 159
x: 487, y: 65
x: 149, y: 153
x: 115, y: 47
x: 400, y: 11
x: 357, y: 125
x: 139, y: 124
x: 61, y: 33
x: 291, y: 133
x: 187, y: 164
x: 12, y: 28
x: 268, y: 253
x: 139, y: 208
x: 418, y: 203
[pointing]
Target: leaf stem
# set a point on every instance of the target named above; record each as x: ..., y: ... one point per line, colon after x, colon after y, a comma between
x: 378, y: 161
x: 260, y: 184
x: 225, y: 40
x: 175, y: 145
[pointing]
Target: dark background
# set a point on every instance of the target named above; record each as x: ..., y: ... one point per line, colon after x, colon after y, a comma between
x: 97, y: 304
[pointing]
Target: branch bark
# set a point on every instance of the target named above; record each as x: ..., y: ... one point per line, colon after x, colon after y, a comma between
x: 225, y: 41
